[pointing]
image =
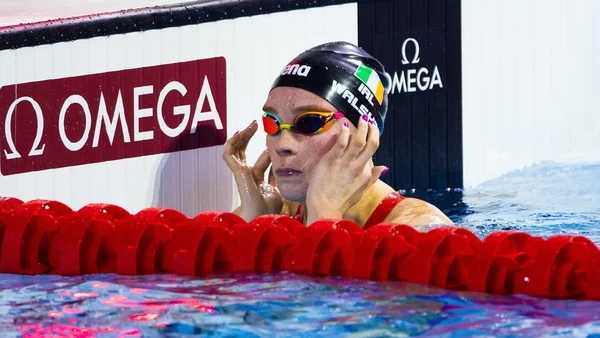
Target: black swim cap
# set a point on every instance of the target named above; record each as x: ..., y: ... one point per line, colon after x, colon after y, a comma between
x: 345, y: 75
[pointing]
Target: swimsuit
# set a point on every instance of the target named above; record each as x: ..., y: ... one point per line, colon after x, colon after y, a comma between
x: 379, y: 214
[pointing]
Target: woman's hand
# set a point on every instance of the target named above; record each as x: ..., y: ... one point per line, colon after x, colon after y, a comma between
x: 257, y: 196
x: 342, y: 176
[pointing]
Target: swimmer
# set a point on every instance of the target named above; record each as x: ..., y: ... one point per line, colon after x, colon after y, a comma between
x: 323, y: 117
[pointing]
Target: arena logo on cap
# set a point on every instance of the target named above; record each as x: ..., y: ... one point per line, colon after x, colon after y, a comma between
x: 411, y: 80
x: 296, y: 69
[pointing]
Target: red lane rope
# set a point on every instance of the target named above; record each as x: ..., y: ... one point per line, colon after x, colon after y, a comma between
x: 48, y: 237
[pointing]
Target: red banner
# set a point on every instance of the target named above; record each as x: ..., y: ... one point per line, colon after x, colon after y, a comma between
x: 111, y: 116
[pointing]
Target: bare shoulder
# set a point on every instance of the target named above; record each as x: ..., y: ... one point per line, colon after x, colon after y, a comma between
x: 416, y: 212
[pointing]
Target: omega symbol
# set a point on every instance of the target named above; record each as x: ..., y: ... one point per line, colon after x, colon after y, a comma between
x: 416, y: 58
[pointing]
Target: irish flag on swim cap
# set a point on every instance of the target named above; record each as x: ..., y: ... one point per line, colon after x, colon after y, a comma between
x: 370, y: 78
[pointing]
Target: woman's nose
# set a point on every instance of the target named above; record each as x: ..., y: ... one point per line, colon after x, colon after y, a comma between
x: 286, y: 144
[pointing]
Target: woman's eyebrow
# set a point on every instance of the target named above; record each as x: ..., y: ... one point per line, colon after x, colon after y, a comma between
x: 309, y: 107
x: 269, y: 109
x: 297, y: 110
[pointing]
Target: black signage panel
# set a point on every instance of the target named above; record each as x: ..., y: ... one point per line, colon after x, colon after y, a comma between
x: 419, y: 43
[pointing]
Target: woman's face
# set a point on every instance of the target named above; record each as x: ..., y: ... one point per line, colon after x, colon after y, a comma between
x: 294, y: 155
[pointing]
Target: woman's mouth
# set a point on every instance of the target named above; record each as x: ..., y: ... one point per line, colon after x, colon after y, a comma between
x: 287, y: 172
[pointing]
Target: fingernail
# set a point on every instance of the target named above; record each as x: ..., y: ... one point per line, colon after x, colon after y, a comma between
x: 236, y: 133
x: 346, y: 125
x: 372, y: 122
x: 251, y: 123
x: 385, y: 171
x: 364, y: 117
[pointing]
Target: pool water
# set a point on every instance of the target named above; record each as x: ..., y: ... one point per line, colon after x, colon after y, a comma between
x: 543, y: 200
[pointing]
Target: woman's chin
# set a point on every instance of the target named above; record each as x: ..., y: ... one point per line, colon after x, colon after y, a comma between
x: 292, y: 193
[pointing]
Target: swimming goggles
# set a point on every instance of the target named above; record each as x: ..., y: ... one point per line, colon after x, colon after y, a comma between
x: 308, y: 123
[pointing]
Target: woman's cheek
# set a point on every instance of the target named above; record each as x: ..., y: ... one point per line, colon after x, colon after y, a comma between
x: 313, y: 151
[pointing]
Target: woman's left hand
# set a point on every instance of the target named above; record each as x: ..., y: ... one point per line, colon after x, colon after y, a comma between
x: 341, y: 177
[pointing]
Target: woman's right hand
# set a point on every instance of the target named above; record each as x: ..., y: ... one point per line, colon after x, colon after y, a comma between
x: 258, y: 197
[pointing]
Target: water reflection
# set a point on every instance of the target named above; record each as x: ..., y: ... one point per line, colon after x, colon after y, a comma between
x: 271, y: 304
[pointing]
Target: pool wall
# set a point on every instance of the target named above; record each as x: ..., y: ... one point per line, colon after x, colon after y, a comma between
x: 479, y: 90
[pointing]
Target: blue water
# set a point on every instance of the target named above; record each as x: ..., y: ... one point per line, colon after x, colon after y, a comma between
x: 545, y: 199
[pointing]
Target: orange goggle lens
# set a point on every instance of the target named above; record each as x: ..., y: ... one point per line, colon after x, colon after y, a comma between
x: 308, y: 123
x: 270, y: 124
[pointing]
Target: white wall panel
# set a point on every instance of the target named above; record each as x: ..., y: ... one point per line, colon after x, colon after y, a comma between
x: 531, y: 74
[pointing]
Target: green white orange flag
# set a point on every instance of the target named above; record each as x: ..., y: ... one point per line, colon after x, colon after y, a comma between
x: 370, y: 78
